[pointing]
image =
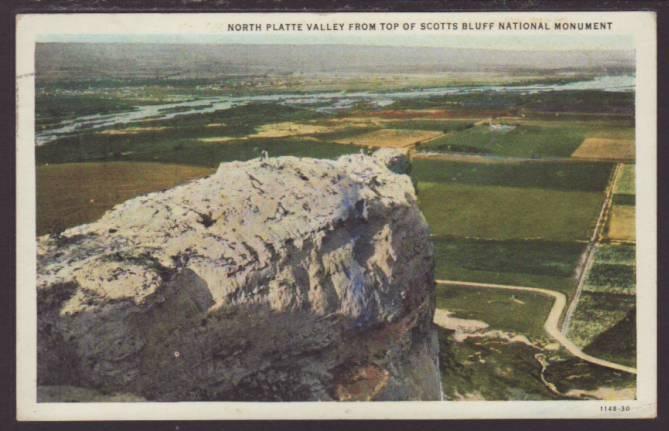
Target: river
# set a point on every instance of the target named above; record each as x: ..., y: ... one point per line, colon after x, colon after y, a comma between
x: 327, y: 102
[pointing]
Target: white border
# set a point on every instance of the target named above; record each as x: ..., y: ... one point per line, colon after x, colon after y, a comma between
x: 642, y: 25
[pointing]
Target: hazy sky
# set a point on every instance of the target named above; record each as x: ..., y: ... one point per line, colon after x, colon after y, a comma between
x: 525, y: 41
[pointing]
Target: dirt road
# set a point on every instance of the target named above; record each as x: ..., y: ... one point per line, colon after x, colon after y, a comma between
x: 552, y: 321
x: 589, y: 254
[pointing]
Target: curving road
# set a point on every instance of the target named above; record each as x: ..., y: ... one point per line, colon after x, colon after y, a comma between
x: 552, y: 321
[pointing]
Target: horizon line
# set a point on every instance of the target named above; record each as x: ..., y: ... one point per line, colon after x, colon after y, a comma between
x: 497, y: 42
x: 107, y: 42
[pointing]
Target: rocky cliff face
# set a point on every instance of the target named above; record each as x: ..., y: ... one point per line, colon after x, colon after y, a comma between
x: 277, y: 279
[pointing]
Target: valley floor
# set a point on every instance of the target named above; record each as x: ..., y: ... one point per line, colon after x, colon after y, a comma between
x: 530, y: 201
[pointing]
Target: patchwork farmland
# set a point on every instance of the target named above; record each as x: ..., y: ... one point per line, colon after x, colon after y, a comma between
x: 519, y: 188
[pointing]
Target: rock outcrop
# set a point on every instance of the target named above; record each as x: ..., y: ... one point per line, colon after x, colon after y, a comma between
x: 276, y: 279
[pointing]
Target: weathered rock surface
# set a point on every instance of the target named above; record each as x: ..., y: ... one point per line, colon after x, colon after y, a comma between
x: 277, y: 279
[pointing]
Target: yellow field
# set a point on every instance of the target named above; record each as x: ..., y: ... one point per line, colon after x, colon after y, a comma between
x: 286, y: 129
x: 605, y: 149
x: 76, y: 193
x: 131, y: 131
x: 622, y: 224
x: 220, y: 139
x: 391, y: 138
x: 358, y: 121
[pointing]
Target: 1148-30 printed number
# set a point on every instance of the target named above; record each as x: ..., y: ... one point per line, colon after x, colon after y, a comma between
x: 614, y: 409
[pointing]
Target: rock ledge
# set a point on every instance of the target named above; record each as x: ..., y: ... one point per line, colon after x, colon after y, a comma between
x: 278, y: 279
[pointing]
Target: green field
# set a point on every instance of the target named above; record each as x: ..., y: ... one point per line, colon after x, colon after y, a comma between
x: 72, y: 194
x: 618, y: 342
x: 184, y: 151
x: 437, y: 125
x: 502, y: 213
x: 612, y: 278
x: 510, y: 223
x: 525, y: 140
x: 522, y: 141
x: 529, y: 138
x: 545, y: 175
x: 528, y: 257
x: 604, y: 320
x: 625, y: 183
x: 542, y: 264
x: 624, y: 188
x: 616, y: 254
x: 624, y: 199
x: 523, y: 313
x: 602, y: 315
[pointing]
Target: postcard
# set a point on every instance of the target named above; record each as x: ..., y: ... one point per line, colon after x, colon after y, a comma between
x: 336, y: 216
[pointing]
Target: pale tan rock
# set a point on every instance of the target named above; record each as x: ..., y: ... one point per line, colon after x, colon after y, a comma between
x: 278, y: 279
